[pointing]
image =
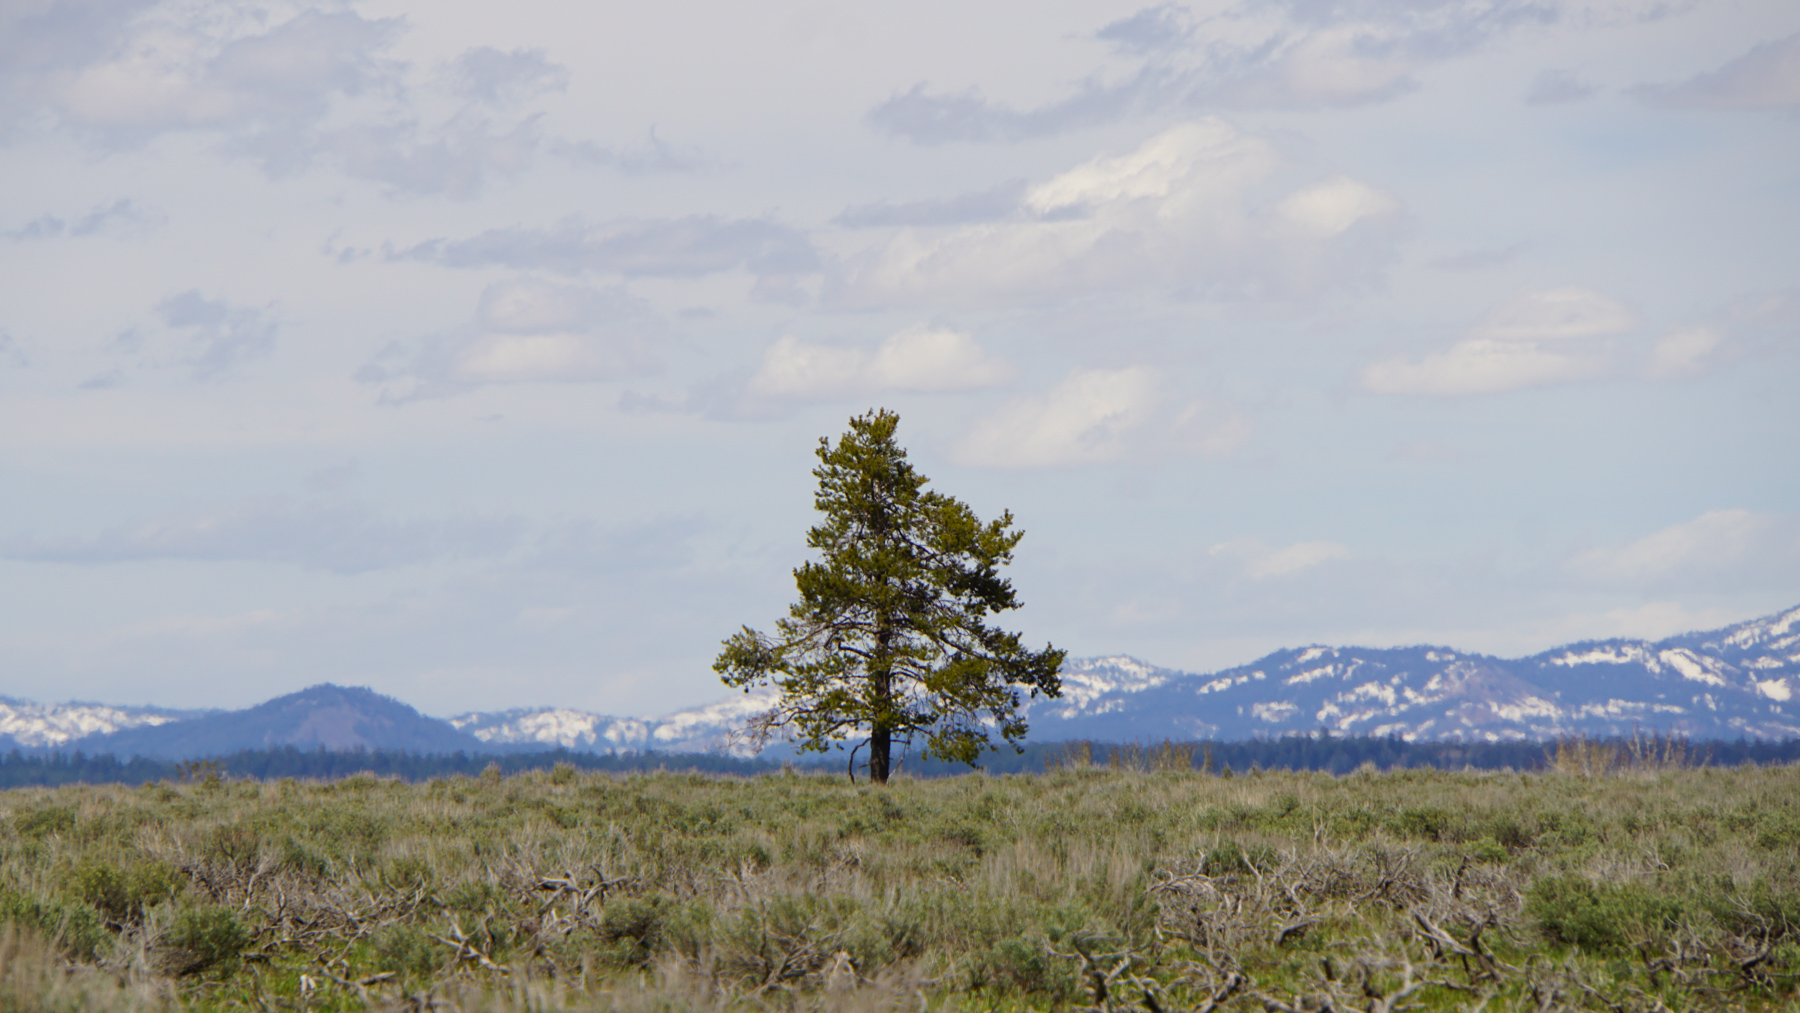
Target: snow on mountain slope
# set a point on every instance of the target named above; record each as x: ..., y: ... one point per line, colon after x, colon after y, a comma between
x: 1737, y: 681
x: 1091, y: 682
x: 1718, y: 684
x: 715, y: 726
x: 554, y: 726
x: 39, y: 725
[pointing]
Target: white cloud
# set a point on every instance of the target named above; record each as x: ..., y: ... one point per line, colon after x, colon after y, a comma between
x: 1766, y: 77
x: 1099, y: 415
x: 1533, y: 339
x: 1176, y: 213
x: 1479, y: 366
x: 920, y: 358
x: 1333, y: 206
x: 1682, y: 352
x: 1555, y: 314
x: 1203, y: 429
x: 525, y: 331
x: 1083, y: 420
x: 1261, y: 562
x: 934, y: 358
x: 1732, y: 548
x: 794, y: 368
x: 1185, y: 160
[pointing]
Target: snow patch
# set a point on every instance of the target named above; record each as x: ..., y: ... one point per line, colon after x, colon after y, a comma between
x: 1526, y: 707
x: 1752, y: 633
x: 1623, y: 654
x: 1222, y: 683
x: 1692, y: 667
x: 1086, y: 680
x: 1275, y: 712
x: 1374, y: 690
x: 1310, y: 675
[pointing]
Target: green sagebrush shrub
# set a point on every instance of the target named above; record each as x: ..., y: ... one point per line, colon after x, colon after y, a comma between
x: 1602, y: 917
x: 124, y: 894
x: 204, y: 940
x: 73, y: 928
x: 410, y: 952
x: 1230, y: 858
x: 45, y: 820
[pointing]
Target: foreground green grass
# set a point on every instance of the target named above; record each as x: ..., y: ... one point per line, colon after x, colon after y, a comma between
x: 1084, y: 888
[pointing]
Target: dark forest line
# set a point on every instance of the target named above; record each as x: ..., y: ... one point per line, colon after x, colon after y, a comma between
x: 1311, y: 753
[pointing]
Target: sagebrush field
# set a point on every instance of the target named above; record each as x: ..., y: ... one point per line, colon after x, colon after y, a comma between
x: 1087, y: 887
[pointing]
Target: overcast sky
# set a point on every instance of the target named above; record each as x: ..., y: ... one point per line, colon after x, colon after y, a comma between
x: 477, y: 353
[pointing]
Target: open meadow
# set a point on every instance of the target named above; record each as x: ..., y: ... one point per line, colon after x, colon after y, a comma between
x: 1087, y: 887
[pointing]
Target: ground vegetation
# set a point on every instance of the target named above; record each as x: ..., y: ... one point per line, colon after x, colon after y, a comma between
x: 1645, y: 886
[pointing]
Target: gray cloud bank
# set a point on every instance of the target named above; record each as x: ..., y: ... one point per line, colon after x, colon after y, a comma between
x: 222, y: 336
x: 992, y: 204
x: 689, y: 247
x: 343, y: 539
x: 1766, y: 77
x: 319, y: 88
x: 103, y: 218
x: 1259, y: 55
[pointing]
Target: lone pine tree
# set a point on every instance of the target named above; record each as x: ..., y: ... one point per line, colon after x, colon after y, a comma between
x: 890, y: 636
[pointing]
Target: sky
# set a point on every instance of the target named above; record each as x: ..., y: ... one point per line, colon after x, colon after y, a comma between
x: 478, y: 353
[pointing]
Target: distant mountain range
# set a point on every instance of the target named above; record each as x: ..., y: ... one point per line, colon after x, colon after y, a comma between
x: 1739, y: 681
x: 320, y: 717
x: 28, y: 724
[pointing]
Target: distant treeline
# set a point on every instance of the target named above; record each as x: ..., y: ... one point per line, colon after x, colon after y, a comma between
x: 1322, y: 753
x: 19, y: 770
x: 1342, y: 755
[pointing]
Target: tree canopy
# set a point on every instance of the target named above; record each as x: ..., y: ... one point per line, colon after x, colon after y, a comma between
x: 890, y: 635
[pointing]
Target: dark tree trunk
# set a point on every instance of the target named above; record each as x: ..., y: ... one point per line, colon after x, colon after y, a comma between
x: 881, y: 729
x: 880, y: 750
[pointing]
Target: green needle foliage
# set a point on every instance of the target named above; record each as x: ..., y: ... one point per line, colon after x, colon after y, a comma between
x: 890, y: 634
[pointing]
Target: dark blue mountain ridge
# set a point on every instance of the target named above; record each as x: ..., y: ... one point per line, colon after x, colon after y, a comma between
x: 318, y: 717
